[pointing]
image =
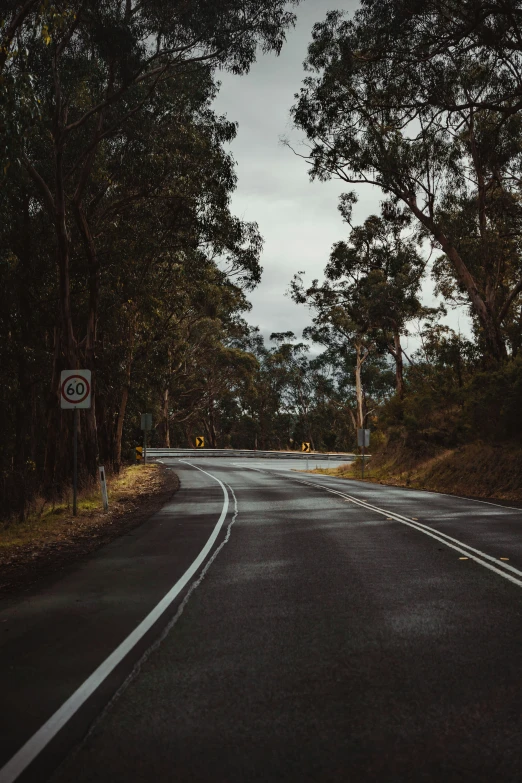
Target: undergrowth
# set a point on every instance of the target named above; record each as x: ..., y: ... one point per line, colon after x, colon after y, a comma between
x: 48, y: 519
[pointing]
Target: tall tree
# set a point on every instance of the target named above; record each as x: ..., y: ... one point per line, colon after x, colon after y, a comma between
x: 368, y: 122
x: 379, y: 272
x: 97, y: 69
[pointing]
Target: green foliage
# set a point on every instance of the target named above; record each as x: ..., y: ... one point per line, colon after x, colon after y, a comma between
x: 119, y: 249
x: 377, y: 114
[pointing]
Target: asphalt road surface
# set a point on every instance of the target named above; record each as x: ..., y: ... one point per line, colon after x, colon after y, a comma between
x: 269, y: 625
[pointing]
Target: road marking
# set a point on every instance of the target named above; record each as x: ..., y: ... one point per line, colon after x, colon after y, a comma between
x: 432, y: 492
x: 463, y: 558
x: 453, y: 543
x: 429, y: 531
x: 41, y: 738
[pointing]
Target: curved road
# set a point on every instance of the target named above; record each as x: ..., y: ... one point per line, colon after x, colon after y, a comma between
x: 275, y: 626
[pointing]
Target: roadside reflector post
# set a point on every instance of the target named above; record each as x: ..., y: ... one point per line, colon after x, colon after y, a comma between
x: 103, y: 484
x: 75, y: 393
x: 146, y: 425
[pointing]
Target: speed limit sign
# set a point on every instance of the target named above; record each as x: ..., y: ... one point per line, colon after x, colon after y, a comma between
x: 75, y: 389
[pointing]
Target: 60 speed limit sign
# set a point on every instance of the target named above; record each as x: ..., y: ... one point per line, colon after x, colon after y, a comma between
x: 75, y: 389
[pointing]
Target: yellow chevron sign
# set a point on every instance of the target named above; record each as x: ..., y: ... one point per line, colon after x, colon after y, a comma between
x: 200, y: 442
x: 139, y: 453
x: 305, y: 447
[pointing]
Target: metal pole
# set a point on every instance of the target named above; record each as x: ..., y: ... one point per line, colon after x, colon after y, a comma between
x: 363, y: 456
x: 144, y: 447
x: 75, y: 459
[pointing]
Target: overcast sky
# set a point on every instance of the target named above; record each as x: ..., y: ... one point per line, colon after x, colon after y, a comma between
x: 298, y: 220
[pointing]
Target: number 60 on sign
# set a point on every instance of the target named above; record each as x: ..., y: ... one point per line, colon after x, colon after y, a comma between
x: 75, y: 389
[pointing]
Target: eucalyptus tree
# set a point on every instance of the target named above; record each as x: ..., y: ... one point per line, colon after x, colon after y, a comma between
x: 95, y: 67
x: 167, y: 243
x: 370, y: 292
x: 373, y: 116
x: 378, y: 275
x: 288, y: 362
x: 423, y: 35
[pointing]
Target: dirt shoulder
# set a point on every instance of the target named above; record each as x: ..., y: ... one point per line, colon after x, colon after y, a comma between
x: 49, y: 541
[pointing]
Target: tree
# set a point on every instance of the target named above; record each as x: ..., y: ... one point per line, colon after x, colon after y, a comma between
x: 380, y: 272
x: 370, y: 293
x: 122, y: 186
x: 368, y: 122
x: 95, y: 72
x: 423, y: 35
x: 289, y: 363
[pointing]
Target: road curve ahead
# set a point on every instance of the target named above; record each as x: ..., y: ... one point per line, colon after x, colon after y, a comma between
x: 331, y: 631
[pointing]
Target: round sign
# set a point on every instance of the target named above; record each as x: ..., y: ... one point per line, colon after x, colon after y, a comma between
x: 75, y: 389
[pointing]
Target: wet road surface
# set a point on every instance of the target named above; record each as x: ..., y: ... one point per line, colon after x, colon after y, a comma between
x: 342, y: 631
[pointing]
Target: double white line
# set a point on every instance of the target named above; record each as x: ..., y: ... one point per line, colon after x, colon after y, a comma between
x: 503, y: 569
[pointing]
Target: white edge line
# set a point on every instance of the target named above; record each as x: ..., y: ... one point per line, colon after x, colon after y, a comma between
x: 41, y: 738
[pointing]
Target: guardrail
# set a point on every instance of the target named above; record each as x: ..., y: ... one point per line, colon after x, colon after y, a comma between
x: 155, y: 453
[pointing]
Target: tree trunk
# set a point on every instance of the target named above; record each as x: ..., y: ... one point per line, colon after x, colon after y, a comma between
x: 91, y: 433
x: 188, y: 435
x: 125, y: 393
x: 65, y: 353
x: 53, y: 425
x: 165, y: 424
x: 358, y: 386
x: 493, y: 339
x: 119, y: 427
x: 212, y: 426
x: 399, y: 365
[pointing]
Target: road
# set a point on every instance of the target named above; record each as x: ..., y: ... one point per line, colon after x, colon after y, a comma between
x: 324, y: 630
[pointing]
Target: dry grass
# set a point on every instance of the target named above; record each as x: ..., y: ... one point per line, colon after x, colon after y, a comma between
x: 341, y: 471
x: 39, y: 548
x: 477, y: 470
x: 54, y: 522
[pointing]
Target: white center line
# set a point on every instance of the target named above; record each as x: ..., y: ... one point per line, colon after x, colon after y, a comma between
x: 459, y: 546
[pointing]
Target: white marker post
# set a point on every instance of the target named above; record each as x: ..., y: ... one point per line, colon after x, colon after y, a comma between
x: 75, y: 393
x: 103, y: 484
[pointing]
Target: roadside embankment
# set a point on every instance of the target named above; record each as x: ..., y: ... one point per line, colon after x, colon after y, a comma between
x: 476, y: 470
x: 51, y: 538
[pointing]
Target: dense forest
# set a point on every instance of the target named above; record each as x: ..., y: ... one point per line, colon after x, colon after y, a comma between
x: 119, y: 252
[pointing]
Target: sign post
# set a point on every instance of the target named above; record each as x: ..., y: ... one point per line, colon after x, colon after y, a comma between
x: 305, y: 446
x: 75, y: 393
x: 146, y: 426
x: 363, y: 440
x: 75, y: 459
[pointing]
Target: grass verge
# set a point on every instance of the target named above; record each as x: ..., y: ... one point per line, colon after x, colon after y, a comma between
x: 52, y: 538
x: 476, y: 470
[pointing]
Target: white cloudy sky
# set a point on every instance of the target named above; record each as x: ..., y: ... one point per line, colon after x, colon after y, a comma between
x: 299, y: 220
